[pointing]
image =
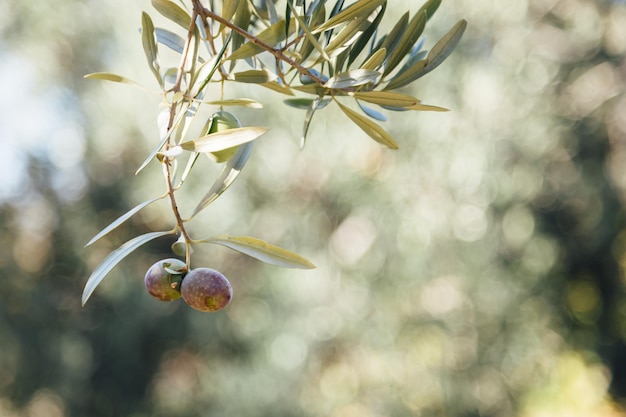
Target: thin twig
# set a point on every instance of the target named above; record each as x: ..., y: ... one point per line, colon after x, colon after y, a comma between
x: 206, y: 13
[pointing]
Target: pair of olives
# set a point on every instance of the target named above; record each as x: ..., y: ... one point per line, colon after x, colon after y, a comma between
x: 204, y: 289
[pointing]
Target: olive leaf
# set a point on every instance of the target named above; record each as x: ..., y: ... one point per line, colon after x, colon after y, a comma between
x: 117, y: 222
x: 170, y: 39
x: 372, y: 113
x: 173, y: 12
x: 148, y: 40
x: 254, y: 76
x: 372, y: 129
x: 270, y: 36
x: 352, y: 78
x: 225, y: 139
x: 359, y: 9
x: 262, y: 251
x: 107, y: 76
x: 114, y: 258
x: 386, y: 98
x: 228, y: 174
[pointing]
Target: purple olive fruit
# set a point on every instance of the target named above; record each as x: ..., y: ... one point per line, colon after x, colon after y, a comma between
x: 163, y: 279
x: 206, y: 289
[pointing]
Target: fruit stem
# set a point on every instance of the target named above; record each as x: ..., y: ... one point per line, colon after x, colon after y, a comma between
x: 180, y: 223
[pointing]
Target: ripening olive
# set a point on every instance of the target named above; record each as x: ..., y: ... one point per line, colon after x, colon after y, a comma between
x: 163, y: 279
x: 206, y: 289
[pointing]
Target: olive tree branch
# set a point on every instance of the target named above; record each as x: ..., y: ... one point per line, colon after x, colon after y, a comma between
x: 165, y: 163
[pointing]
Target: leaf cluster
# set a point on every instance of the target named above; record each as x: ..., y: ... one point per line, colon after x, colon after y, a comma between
x: 330, y: 53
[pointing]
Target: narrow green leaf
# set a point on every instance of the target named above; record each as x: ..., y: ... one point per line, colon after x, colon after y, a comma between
x: 107, y: 76
x: 262, y: 251
x: 316, y: 89
x: 315, y: 104
x: 170, y: 39
x: 114, y: 258
x: 352, y: 78
x: 244, y: 102
x: 430, y: 7
x: 229, y: 7
x: 219, y: 141
x: 173, y: 12
x: 311, y: 41
x: 395, y: 35
x: 372, y: 129
x: 148, y: 40
x: 413, y: 31
x: 426, y: 107
x: 271, y: 36
x: 277, y: 87
x: 407, y: 76
x: 375, y: 60
x: 241, y: 19
x: 193, y: 157
x: 305, y: 103
x: 254, y: 76
x: 360, y: 44
x: 444, y: 47
x: 299, y: 103
x: 347, y: 36
x: 386, y: 98
x: 117, y: 222
x: 372, y: 113
x: 227, y: 176
x: 308, y: 35
x: 202, y: 77
x: 166, y: 136
x: 361, y: 8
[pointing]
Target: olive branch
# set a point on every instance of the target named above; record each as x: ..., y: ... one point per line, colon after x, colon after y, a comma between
x: 329, y: 56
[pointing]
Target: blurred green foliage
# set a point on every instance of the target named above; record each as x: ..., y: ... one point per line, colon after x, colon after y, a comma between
x: 477, y: 270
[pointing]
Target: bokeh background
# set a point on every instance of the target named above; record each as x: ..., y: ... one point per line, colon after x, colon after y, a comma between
x: 477, y: 271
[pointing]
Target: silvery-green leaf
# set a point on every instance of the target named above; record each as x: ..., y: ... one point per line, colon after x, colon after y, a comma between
x: 121, y: 220
x: 375, y: 60
x: 372, y: 129
x: 262, y: 251
x: 426, y: 107
x: 360, y: 44
x: 254, y: 76
x: 430, y: 7
x: 156, y: 150
x: 278, y: 87
x: 347, y: 36
x: 386, y: 98
x: 358, y: 9
x: 228, y: 175
x: 308, y: 34
x: 107, y: 76
x: 244, y: 102
x: 352, y: 78
x: 444, y: 47
x: 114, y: 258
x: 148, y: 40
x: 170, y: 39
x: 372, y: 113
x: 305, y: 103
x: 219, y: 141
x: 270, y: 36
x: 395, y: 35
x: 317, y: 103
x: 173, y: 12
x: 408, y: 75
x: 413, y: 31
